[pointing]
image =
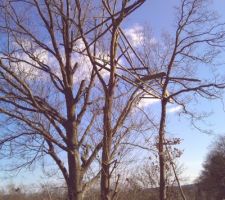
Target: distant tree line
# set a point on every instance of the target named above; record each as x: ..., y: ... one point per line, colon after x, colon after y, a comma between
x: 211, y: 183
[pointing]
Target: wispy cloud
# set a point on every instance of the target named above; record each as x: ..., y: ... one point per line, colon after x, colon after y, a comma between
x: 135, y: 34
x: 147, y: 102
x: 174, y: 109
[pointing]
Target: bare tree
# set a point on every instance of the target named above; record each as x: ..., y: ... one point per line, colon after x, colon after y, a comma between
x: 38, y: 90
x: 114, y: 120
x: 70, y: 78
x: 187, y: 59
x: 50, y: 57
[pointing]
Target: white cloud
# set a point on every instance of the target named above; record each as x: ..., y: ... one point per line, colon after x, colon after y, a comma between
x: 23, y: 68
x: 147, y: 102
x: 135, y: 34
x: 174, y: 109
x: 84, y: 67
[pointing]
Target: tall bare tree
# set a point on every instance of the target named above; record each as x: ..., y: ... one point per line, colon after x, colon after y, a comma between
x: 50, y: 57
x: 114, y: 120
x: 186, y: 61
x: 187, y: 58
x: 42, y: 86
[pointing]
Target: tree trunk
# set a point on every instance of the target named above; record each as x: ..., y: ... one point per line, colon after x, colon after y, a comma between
x: 105, y: 173
x: 74, y: 184
x: 107, y: 138
x: 74, y: 166
x: 106, y: 151
x: 162, y: 185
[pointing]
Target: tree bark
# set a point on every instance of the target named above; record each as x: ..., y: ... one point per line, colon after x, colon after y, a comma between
x: 74, y: 183
x: 105, y: 180
x: 106, y: 151
x: 107, y: 120
x: 162, y: 185
x: 74, y: 166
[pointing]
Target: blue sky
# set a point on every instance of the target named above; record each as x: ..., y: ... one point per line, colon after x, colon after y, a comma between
x: 158, y: 15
